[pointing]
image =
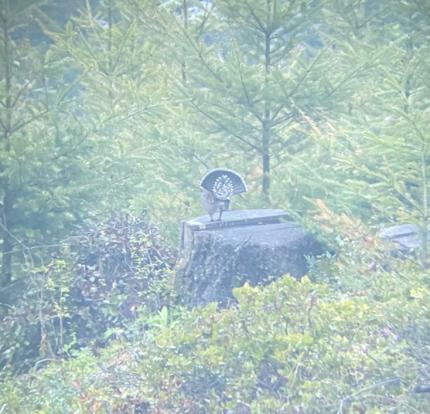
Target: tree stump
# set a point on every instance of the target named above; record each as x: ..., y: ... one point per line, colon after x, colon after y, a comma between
x: 254, y: 246
x: 406, y: 237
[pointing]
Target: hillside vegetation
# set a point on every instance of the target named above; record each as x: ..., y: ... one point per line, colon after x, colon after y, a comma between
x: 290, y: 347
x: 110, y: 113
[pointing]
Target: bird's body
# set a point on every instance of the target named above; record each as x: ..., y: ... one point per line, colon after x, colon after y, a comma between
x: 218, y: 186
x: 213, y: 204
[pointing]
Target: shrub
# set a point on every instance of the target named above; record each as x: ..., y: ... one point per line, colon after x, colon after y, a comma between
x: 108, y: 274
x: 289, y: 347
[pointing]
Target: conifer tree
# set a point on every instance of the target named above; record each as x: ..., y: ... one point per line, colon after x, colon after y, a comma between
x: 397, y: 145
x: 48, y: 148
x: 250, y: 66
x: 34, y: 143
x: 143, y: 160
x: 377, y: 140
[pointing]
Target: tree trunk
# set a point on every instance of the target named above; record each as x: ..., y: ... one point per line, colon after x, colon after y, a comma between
x: 7, y: 242
x: 183, y: 64
x: 425, y: 213
x: 266, y: 124
x: 266, y: 161
x: 6, y: 208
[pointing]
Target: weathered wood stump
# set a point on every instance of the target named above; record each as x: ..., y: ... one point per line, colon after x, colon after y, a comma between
x: 406, y: 237
x: 253, y: 246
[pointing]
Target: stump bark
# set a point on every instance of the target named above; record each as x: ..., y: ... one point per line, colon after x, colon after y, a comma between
x: 406, y: 237
x: 254, y: 246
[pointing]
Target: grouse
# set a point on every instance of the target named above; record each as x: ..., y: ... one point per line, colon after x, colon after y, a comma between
x: 217, y: 188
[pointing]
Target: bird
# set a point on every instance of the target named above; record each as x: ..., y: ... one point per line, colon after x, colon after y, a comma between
x: 218, y: 186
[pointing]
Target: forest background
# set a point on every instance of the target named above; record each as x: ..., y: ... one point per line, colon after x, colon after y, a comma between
x: 111, y: 111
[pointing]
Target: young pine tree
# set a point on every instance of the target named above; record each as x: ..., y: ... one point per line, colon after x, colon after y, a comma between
x: 381, y: 147
x: 246, y: 69
x: 41, y: 147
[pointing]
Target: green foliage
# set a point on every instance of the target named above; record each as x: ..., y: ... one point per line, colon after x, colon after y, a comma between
x: 373, y: 159
x: 107, y: 275
x: 137, y: 129
x: 123, y: 109
x: 247, y: 70
x: 292, y: 346
x: 352, y: 340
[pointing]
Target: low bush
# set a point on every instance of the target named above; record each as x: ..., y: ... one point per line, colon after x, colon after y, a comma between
x: 290, y: 347
x: 106, y: 275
